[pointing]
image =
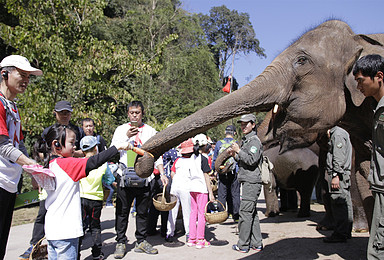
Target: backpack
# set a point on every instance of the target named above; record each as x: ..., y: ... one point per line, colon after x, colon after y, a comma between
x: 265, y: 167
x: 230, y: 161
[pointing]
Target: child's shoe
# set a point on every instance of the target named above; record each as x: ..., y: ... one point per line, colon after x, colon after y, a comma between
x: 191, y: 242
x: 202, y: 243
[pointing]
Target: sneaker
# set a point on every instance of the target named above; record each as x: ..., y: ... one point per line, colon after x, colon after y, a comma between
x: 120, y: 251
x: 237, y: 248
x: 100, y: 257
x: 191, y: 242
x: 169, y: 239
x: 202, y: 243
x: 257, y: 248
x: 26, y: 254
x: 109, y: 205
x: 145, y: 247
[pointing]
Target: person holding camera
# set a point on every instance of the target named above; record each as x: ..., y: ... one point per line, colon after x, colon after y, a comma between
x: 129, y: 185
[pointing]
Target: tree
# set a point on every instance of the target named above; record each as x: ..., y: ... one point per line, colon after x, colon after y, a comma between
x: 56, y: 36
x: 187, y: 79
x: 229, y: 33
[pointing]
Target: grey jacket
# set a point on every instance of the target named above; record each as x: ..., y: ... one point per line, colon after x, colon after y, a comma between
x: 249, y: 158
x: 339, y: 156
x: 376, y: 175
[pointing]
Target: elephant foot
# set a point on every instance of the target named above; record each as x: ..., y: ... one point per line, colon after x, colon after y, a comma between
x: 272, y: 214
x: 360, y: 230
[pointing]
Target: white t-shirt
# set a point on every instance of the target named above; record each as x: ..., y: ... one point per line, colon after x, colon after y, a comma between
x: 10, y: 125
x: 199, y: 166
x: 144, y: 134
x: 181, y: 180
x: 63, y: 219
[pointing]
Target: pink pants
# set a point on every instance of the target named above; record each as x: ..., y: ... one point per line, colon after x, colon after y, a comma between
x: 198, y: 202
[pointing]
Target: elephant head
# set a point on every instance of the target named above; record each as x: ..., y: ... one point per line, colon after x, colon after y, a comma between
x: 311, y: 82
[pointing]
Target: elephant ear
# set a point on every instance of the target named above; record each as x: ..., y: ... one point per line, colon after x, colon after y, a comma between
x: 366, y: 44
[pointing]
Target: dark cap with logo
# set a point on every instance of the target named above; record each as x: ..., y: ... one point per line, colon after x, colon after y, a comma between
x: 230, y: 128
x: 63, y: 105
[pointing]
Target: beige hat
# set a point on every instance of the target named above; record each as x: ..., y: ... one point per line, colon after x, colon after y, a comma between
x: 20, y: 62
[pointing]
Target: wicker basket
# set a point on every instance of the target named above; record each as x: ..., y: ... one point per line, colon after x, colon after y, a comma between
x: 161, y: 203
x: 39, y: 251
x: 217, y: 217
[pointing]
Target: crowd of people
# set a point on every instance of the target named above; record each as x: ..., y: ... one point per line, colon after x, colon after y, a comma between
x: 80, y: 160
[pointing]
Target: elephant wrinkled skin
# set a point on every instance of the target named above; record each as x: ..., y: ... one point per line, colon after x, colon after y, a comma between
x: 312, y: 83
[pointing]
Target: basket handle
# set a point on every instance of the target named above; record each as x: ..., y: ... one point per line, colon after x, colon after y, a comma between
x: 163, y: 195
x: 206, y: 205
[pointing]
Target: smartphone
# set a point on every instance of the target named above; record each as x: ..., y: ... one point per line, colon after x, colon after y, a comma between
x: 134, y: 123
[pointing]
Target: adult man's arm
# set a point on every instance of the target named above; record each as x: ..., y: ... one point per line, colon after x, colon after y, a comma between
x: 9, y: 152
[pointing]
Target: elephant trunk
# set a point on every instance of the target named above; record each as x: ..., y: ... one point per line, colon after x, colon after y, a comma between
x: 250, y: 98
x: 259, y: 95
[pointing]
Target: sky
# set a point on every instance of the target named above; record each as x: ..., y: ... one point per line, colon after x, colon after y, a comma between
x: 277, y: 23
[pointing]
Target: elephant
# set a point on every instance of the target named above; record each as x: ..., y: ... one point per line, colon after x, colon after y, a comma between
x: 312, y: 83
x: 295, y: 169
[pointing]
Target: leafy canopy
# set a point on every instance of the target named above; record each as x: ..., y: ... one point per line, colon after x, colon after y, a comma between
x: 229, y: 32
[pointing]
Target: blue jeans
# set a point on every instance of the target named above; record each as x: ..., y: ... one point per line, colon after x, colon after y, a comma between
x: 111, y: 191
x: 65, y: 249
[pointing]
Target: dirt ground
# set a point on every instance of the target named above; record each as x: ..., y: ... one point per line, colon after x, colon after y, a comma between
x: 284, y: 237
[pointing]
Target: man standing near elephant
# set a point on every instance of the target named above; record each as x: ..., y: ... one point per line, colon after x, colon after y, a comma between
x: 369, y: 74
x: 248, y: 157
x: 339, y: 160
x: 229, y: 187
x: 130, y: 186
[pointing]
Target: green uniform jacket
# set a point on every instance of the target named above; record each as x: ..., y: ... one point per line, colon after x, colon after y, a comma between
x: 339, y: 157
x: 376, y: 175
x: 249, y: 158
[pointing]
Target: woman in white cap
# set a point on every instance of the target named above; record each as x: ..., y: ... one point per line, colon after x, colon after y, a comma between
x: 15, y: 71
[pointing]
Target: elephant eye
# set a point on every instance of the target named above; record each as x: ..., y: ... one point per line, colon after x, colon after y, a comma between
x: 302, y: 60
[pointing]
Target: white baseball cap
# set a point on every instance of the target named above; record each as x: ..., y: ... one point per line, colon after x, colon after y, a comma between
x: 200, y: 139
x: 20, y: 62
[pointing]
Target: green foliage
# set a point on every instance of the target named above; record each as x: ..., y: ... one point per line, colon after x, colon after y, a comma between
x: 228, y: 33
x: 187, y: 79
x: 89, y: 72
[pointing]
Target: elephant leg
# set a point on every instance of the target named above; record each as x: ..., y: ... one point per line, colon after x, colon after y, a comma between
x: 288, y: 200
x: 362, y: 219
x: 360, y: 192
x: 305, y: 182
x: 271, y: 199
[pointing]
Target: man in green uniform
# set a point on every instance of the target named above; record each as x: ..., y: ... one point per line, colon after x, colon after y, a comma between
x: 248, y: 157
x: 339, y: 159
x: 369, y: 74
